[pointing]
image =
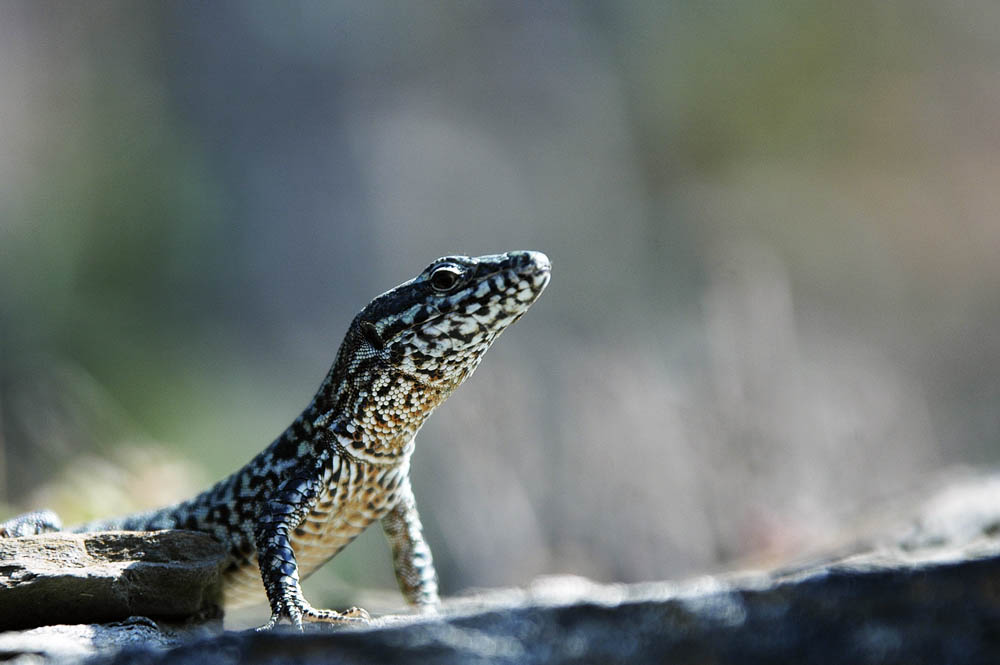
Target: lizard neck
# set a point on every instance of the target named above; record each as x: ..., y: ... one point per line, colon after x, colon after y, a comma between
x: 374, y: 410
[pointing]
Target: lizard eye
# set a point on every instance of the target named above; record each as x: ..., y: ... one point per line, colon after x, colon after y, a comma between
x: 445, y: 277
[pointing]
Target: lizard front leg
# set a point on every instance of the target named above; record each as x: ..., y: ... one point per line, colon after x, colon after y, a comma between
x: 411, y: 556
x: 291, y: 503
x: 30, y: 524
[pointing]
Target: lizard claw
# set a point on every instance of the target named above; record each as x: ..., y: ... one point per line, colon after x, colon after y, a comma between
x: 285, y: 610
x: 296, y: 615
x: 428, y: 610
x: 350, y: 615
x: 271, y: 623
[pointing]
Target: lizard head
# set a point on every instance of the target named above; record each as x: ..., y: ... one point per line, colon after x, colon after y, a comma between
x: 436, y: 327
x: 415, y: 344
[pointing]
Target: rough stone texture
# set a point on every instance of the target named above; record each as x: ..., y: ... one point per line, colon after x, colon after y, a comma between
x: 943, y: 608
x: 63, y: 578
x: 74, y: 643
x: 928, y: 591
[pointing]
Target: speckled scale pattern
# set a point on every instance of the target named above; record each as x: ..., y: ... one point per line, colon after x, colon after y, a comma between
x: 344, y: 462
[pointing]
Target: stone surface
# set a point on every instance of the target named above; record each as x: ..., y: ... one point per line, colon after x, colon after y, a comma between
x: 879, y: 608
x: 927, y: 590
x: 63, y: 578
x: 74, y: 643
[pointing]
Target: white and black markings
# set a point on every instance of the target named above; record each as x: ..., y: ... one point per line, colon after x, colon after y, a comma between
x: 344, y: 462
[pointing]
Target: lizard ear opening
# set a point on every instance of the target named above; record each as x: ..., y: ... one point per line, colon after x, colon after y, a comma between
x: 371, y: 335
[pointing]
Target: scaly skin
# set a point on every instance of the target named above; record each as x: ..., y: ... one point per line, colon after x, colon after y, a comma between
x: 344, y: 462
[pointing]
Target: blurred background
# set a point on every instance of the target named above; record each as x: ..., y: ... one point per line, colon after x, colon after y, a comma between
x: 773, y: 225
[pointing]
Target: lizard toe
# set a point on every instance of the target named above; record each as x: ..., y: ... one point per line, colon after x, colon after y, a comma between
x: 350, y: 615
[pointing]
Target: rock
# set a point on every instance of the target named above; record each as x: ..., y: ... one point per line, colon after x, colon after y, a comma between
x: 928, y: 592
x: 63, y: 578
x: 75, y: 643
x: 937, y: 606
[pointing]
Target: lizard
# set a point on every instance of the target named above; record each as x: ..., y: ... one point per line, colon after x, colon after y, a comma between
x: 344, y: 462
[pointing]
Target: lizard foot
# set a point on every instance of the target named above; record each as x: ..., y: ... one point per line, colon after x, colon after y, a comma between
x: 308, y: 613
x: 350, y: 615
x: 30, y: 524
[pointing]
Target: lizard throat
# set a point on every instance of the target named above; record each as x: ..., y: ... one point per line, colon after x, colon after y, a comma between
x: 380, y: 415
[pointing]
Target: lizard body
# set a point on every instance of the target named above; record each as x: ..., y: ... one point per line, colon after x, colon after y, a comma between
x: 344, y: 461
